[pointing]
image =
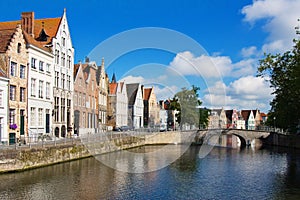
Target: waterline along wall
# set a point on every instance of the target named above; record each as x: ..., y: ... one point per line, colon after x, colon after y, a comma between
x: 12, y: 160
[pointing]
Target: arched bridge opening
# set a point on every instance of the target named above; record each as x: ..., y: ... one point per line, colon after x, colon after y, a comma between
x: 242, y: 139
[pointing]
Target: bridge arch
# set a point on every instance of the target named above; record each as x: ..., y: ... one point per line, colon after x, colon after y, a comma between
x: 242, y: 139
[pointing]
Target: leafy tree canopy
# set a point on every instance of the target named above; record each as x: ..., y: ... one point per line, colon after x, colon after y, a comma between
x: 187, y: 103
x: 283, y: 73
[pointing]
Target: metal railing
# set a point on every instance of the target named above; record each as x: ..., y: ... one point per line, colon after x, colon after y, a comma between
x: 42, y: 141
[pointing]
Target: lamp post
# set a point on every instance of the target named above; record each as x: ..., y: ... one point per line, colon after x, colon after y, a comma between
x: 274, y: 124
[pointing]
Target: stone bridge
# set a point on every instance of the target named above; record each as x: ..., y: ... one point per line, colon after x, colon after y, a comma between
x: 247, y: 137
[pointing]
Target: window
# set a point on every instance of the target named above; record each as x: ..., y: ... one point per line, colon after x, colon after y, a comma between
x: 56, y: 109
x: 48, y: 66
x: 40, y: 119
x: 63, y: 59
x: 1, y: 98
x: 75, y: 99
x: 12, y: 113
x: 48, y: 90
x: 22, y: 71
x: 33, y: 63
x: 12, y: 92
x: 22, y: 94
x: 33, y: 85
x: 83, y: 100
x: 19, y: 48
x: 63, y: 41
x: 63, y: 109
x: 13, y: 68
x: 79, y: 99
x: 80, y: 81
x: 68, y: 82
x: 62, y: 81
x: 41, y: 83
x: 41, y: 66
x: 57, y: 56
x: 56, y: 80
x: 32, y: 116
x: 69, y: 61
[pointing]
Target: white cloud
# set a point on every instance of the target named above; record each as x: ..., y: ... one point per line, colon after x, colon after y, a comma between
x: 187, y: 64
x: 280, y: 19
x: 276, y: 46
x: 133, y: 79
x: 212, y: 66
x: 245, y: 93
x: 249, y: 52
x: 165, y: 92
x: 250, y: 88
x: 244, y: 67
x: 162, y: 91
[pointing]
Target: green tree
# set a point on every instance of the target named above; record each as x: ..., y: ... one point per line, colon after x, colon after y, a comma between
x: 283, y: 73
x: 187, y: 103
x: 203, y: 118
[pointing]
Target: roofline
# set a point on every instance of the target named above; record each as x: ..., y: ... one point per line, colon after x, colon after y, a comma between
x: 39, y: 49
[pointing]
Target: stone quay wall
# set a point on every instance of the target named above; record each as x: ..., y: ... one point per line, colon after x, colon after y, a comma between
x: 276, y: 139
x: 24, y: 158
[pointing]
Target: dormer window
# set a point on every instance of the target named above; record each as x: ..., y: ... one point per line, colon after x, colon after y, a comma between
x: 43, y: 37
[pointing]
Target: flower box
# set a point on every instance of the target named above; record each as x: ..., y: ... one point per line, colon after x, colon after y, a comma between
x: 13, y: 126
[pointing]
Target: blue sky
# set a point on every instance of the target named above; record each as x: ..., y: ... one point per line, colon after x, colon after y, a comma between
x: 233, y: 36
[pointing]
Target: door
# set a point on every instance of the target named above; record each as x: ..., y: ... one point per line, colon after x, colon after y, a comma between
x: 12, y: 138
x: 22, y: 122
x: 47, y: 123
x: 76, y: 122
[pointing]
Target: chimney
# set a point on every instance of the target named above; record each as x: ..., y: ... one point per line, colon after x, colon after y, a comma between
x: 27, y: 22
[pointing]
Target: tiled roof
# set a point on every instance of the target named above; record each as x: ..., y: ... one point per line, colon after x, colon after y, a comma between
x: 263, y: 115
x: 147, y: 93
x: 132, y: 92
x: 50, y: 26
x: 5, y: 37
x: 229, y: 114
x: 32, y: 41
x: 245, y: 114
x: 255, y: 112
x: 113, y: 88
x: 75, y: 72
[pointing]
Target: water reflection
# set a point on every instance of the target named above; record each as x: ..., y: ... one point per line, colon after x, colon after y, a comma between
x: 223, y: 174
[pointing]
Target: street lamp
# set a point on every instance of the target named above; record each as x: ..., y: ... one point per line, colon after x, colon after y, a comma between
x: 274, y: 124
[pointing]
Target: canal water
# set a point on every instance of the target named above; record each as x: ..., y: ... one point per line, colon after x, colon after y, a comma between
x: 224, y: 173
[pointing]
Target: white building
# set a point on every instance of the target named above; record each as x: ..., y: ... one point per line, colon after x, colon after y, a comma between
x: 3, y: 107
x: 40, y: 84
x: 63, y: 78
x: 121, y: 105
x: 251, y: 121
x: 135, y: 105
